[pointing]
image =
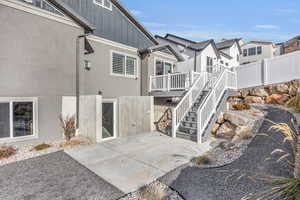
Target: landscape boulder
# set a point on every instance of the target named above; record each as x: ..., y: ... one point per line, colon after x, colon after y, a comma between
x: 280, y: 99
x: 282, y: 88
x: 254, y: 99
x: 260, y: 92
x: 226, y: 131
x: 215, y: 128
x: 220, y: 119
x: 235, y: 119
x: 244, y: 93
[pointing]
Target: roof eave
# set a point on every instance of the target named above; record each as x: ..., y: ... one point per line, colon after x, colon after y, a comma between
x: 73, y: 15
x: 134, y: 20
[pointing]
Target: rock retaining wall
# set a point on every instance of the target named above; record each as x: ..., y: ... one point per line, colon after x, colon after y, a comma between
x: 272, y: 94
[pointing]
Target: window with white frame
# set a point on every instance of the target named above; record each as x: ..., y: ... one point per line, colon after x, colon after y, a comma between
x: 45, y: 5
x: 259, y: 50
x: 124, y: 65
x: 104, y: 3
x: 252, y: 51
x: 17, y: 118
x: 163, y: 67
x: 245, y: 52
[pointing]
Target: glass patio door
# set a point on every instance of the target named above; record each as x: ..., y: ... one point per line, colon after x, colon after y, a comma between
x: 108, y: 119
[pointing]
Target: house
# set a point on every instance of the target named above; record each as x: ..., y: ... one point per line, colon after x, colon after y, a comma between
x: 257, y: 50
x: 55, y: 50
x: 292, y: 45
x: 279, y: 49
x: 230, y: 50
x: 199, y: 56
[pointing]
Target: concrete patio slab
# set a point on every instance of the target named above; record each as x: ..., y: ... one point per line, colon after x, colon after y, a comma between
x: 131, y: 162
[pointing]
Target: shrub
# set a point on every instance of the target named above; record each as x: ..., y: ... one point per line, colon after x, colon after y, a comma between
x: 71, y: 143
x: 7, y: 151
x: 242, y: 106
x: 203, y: 160
x: 295, y: 102
x: 152, y: 192
x: 68, y: 125
x: 41, y: 147
x: 283, y: 188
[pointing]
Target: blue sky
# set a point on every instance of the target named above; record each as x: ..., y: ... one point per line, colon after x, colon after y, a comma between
x: 272, y: 20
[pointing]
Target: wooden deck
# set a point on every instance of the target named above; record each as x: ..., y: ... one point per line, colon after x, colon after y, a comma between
x: 175, y: 93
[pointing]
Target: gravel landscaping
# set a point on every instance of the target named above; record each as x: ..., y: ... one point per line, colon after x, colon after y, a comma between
x: 26, y: 152
x: 55, y: 176
x: 240, y: 178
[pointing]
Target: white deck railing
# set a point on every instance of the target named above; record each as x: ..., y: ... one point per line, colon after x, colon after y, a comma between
x: 268, y: 71
x: 187, y: 101
x: 171, y: 82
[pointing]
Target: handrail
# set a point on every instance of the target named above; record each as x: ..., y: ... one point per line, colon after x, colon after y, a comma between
x: 212, y: 100
x: 187, y: 102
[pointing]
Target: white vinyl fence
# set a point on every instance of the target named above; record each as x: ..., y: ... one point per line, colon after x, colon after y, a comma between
x: 269, y: 71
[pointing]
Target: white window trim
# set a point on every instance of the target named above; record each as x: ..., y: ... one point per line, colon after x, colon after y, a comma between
x: 124, y: 75
x: 102, y: 5
x: 114, y: 102
x: 39, y: 12
x: 164, y: 61
x: 10, y: 100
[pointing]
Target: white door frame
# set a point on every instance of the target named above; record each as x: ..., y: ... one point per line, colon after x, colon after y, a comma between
x: 164, y: 68
x: 114, y: 102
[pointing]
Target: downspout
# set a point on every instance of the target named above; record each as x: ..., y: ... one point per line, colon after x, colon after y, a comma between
x: 77, y: 71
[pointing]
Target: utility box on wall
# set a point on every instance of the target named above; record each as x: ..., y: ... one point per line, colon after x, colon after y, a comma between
x: 136, y: 115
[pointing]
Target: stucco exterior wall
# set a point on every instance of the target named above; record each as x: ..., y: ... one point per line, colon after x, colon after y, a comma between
x: 37, y: 59
x: 100, y: 77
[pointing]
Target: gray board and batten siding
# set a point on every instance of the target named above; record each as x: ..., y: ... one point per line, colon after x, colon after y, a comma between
x: 111, y: 24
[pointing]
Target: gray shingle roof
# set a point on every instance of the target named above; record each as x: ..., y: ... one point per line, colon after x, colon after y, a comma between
x: 201, y: 45
x: 226, y: 44
x: 229, y: 43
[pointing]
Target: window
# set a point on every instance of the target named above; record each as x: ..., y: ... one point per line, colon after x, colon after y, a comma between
x: 45, y: 5
x: 124, y: 65
x: 209, y: 61
x: 163, y: 67
x: 245, y: 52
x: 104, y: 3
x: 252, y: 51
x: 17, y: 118
x: 259, y: 50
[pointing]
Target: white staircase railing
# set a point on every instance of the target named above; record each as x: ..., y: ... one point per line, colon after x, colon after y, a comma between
x: 188, y: 100
x: 227, y: 80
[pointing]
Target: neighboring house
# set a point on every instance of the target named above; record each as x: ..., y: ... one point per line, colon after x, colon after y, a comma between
x: 279, y: 50
x: 199, y: 56
x: 292, y: 45
x: 257, y: 50
x: 230, y: 50
x: 42, y: 42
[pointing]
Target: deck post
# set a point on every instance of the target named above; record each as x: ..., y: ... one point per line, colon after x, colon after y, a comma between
x: 169, y: 83
x: 150, y: 83
x: 191, y: 78
x: 173, y: 123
